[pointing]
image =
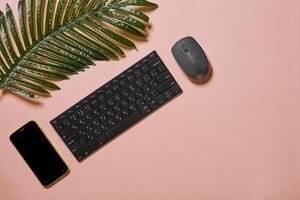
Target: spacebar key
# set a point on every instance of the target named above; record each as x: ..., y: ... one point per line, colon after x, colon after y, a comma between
x: 124, y: 124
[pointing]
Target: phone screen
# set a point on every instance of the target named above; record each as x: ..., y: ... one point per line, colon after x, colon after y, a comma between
x: 39, y: 154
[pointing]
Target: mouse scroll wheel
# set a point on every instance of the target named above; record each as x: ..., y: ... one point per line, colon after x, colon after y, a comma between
x: 185, y: 49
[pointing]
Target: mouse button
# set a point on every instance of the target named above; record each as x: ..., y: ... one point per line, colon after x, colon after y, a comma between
x: 185, y: 49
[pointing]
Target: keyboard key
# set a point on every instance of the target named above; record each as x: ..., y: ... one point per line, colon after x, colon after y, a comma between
x: 108, y: 92
x: 130, y: 78
x: 162, y: 77
x: 145, y: 68
x: 139, y: 83
x: 101, y: 97
x: 155, y: 73
x: 146, y: 78
x: 138, y: 93
x: 102, y: 118
x: 97, y: 132
x: 94, y: 102
x: 131, y: 88
x: 96, y: 113
x: 153, y: 83
x: 110, y: 113
x: 78, y: 154
x: 138, y: 73
x: 103, y: 107
x: 140, y: 103
x: 65, y: 133
x: 145, y: 110
x: 104, y: 127
x: 118, y: 117
x: 117, y: 98
x: 82, y: 140
x: 101, y: 140
x: 153, y: 104
x: 154, y: 62
x: 130, y: 120
x: 117, y: 108
x: 125, y: 112
x: 146, y: 88
x: 152, y: 55
x: 110, y: 102
x: 165, y: 85
x: 125, y: 93
x: 59, y: 127
x: 124, y: 103
x: 132, y: 108
x: 147, y: 98
x: 115, y: 87
x: 131, y: 99
x: 96, y: 124
x: 153, y: 93
x: 175, y: 89
x: 80, y: 113
x: 168, y: 94
x: 122, y: 83
x: 160, y: 99
x: 74, y: 147
x: 81, y: 122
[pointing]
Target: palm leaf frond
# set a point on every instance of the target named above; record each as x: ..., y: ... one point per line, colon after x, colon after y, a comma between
x: 55, y: 39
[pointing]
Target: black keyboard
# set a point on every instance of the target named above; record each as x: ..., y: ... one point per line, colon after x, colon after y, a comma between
x: 114, y: 107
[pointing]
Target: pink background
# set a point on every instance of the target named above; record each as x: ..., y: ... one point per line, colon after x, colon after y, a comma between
x: 235, y: 138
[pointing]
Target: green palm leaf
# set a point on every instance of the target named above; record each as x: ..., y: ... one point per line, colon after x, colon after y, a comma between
x: 59, y: 38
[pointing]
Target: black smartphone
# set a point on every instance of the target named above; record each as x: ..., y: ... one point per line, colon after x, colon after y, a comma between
x: 39, y: 154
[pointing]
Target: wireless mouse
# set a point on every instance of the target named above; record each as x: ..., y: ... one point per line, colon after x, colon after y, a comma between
x: 191, y: 58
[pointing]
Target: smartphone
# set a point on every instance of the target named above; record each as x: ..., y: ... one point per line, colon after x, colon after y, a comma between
x: 39, y: 154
